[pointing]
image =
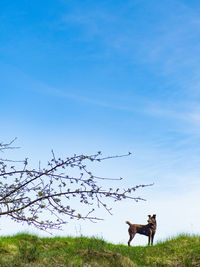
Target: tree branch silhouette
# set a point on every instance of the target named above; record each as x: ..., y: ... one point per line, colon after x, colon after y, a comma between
x: 41, y: 196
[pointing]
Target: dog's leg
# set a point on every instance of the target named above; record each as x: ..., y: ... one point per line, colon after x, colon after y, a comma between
x: 131, y: 237
x: 152, y: 237
x: 149, y: 239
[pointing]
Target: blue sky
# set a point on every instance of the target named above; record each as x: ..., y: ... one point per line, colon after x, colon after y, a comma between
x: 115, y: 76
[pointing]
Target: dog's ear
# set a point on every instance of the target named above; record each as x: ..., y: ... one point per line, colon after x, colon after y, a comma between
x: 149, y: 216
x: 154, y: 216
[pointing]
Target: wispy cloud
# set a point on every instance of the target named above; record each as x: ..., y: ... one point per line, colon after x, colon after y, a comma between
x: 184, y: 115
x: 168, y: 45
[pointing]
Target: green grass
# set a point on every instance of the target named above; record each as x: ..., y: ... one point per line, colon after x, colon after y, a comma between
x: 32, y: 251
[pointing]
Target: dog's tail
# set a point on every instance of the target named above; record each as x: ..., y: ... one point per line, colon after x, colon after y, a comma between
x: 128, y: 223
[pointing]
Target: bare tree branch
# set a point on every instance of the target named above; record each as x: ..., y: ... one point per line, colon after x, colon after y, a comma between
x: 31, y: 195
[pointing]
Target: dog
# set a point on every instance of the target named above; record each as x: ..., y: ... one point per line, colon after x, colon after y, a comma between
x: 148, y: 229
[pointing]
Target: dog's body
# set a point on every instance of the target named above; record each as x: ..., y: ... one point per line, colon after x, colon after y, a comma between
x: 148, y: 229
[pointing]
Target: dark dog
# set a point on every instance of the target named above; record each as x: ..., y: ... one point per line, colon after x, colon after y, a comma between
x: 148, y: 229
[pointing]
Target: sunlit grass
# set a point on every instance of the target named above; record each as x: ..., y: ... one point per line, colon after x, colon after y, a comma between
x: 30, y: 250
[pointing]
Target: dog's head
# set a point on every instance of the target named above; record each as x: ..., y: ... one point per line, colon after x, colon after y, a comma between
x: 152, y: 219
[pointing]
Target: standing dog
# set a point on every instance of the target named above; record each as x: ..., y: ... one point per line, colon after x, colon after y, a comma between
x: 148, y: 229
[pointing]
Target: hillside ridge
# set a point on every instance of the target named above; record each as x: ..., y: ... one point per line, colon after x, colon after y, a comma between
x: 32, y: 251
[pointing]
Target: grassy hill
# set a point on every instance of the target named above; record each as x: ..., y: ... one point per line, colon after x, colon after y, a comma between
x: 32, y: 251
